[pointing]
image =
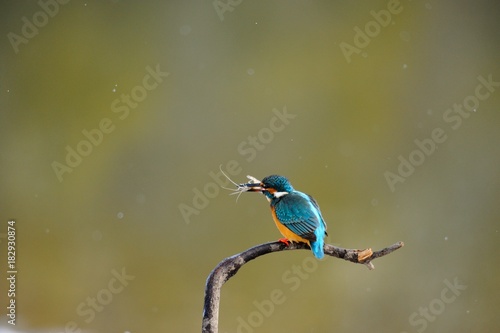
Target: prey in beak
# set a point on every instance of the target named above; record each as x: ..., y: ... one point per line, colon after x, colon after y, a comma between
x: 254, y: 185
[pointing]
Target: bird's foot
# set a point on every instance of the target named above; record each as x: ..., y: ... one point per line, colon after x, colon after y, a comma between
x: 284, y: 240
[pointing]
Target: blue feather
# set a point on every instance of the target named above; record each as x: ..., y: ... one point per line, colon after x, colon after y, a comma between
x: 317, y: 246
x: 297, y: 211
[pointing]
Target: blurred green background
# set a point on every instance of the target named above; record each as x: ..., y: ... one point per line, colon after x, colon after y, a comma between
x: 130, y: 204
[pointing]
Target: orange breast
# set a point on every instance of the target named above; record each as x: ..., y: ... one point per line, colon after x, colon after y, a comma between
x: 287, y: 233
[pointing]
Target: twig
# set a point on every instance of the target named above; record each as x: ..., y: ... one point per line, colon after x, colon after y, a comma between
x: 230, y: 266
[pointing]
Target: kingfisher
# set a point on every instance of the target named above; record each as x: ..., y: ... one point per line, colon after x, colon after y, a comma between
x: 296, y: 214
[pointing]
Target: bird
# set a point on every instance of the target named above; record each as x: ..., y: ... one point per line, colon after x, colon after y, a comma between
x: 297, y: 215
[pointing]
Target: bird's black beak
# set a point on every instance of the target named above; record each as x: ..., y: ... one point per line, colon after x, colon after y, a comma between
x: 253, y: 187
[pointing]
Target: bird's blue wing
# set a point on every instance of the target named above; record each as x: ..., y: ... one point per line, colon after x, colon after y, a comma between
x: 300, y: 214
x: 315, y: 204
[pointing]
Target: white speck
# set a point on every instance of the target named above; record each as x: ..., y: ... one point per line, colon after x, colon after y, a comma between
x: 405, y: 36
x: 467, y: 311
x: 120, y: 215
x: 446, y: 238
x: 326, y: 166
x: 97, y: 235
x: 8, y: 90
x: 474, y: 110
x: 185, y: 30
x: 140, y: 198
x: 405, y: 66
x: 114, y: 89
x: 346, y: 148
x: 47, y: 231
x: 251, y: 71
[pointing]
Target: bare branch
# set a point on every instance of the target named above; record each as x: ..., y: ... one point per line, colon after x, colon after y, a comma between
x: 230, y: 266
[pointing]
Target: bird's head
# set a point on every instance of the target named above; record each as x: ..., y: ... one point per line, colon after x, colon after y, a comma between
x: 273, y: 186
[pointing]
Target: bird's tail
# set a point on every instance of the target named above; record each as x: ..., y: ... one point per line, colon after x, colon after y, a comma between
x: 317, y: 245
x: 317, y: 248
